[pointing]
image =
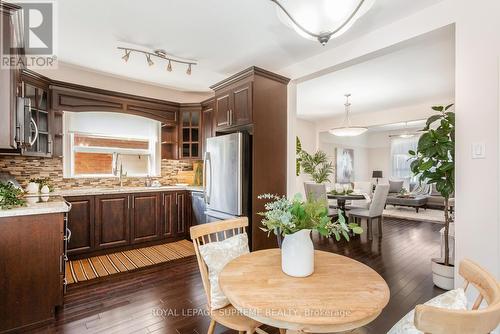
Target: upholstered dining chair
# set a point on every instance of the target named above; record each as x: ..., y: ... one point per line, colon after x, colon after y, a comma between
x: 375, y: 211
x: 214, y: 232
x: 365, y: 187
x: 317, y: 192
x: 448, y: 313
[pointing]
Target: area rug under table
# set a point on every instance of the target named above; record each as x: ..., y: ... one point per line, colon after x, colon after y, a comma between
x: 423, y: 215
x: 104, y: 265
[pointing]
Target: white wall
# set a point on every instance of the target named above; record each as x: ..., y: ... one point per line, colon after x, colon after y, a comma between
x: 77, y: 75
x: 477, y: 101
x: 477, y: 89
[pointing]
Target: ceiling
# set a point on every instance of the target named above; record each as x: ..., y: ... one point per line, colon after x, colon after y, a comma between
x: 226, y: 36
x: 419, y: 71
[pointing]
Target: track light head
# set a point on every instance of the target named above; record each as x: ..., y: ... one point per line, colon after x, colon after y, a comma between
x: 126, y: 56
x: 169, y: 66
x: 188, y: 72
x: 150, y: 62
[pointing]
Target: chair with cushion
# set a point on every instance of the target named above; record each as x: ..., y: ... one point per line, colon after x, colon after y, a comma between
x: 215, y: 245
x: 395, y: 186
x: 374, y: 212
x: 365, y: 188
x: 317, y: 192
x: 448, y: 313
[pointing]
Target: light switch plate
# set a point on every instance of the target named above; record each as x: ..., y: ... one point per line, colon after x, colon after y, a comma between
x: 478, y: 151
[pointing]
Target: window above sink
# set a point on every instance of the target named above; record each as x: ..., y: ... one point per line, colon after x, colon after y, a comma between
x: 99, y: 143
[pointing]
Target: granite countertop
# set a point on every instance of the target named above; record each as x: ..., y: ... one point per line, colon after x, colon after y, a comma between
x: 117, y: 190
x: 38, y: 205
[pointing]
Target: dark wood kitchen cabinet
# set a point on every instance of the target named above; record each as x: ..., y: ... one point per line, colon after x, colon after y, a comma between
x: 81, y: 224
x: 36, y: 90
x: 168, y: 214
x: 183, y: 209
x: 106, y: 223
x: 207, y: 120
x: 190, y: 132
x: 255, y: 101
x: 112, y: 221
x: 145, y: 217
x: 31, y: 249
x: 233, y: 106
x: 8, y: 82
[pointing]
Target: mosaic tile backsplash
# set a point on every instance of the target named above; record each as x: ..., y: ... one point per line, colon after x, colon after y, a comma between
x: 25, y: 168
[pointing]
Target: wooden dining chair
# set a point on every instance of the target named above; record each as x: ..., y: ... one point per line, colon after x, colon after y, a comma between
x: 227, y: 316
x: 429, y: 319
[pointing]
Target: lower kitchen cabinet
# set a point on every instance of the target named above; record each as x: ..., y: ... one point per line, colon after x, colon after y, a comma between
x: 98, y: 224
x: 168, y: 214
x: 81, y: 224
x: 145, y: 218
x: 112, y: 221
x: 31, y: 262
x: 183, y: 206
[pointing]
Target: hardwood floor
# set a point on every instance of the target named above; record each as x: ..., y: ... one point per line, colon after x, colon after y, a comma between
x: 134, y: 302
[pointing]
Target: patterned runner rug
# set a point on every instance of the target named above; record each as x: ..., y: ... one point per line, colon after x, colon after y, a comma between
x: 104, y: 265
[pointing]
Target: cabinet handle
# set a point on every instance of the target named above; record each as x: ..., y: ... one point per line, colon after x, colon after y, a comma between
x: 67, y: 237
x: 230, y: 116
x: 51, y: 144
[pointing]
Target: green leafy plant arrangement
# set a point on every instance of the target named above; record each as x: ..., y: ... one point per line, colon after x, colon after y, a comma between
x: 10, y: 196
x: 317, y: 165
x: 434, y: 160
x: 343, y: 192
x: 43, y: 181
x: 284, y: 216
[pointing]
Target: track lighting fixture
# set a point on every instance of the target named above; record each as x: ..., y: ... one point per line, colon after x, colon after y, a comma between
x: 162, y: 54
x: 126, y: 56
x: 150, y: 62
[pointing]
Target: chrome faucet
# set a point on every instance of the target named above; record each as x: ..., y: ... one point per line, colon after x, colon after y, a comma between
x: 121, y: 174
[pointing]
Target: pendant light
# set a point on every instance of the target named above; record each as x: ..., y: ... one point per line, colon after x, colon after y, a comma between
x: 347, y: 130
x: 321, y: 20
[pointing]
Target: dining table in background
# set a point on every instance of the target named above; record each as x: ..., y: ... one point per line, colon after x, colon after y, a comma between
x: 342, y: 198
x: 341, y: 295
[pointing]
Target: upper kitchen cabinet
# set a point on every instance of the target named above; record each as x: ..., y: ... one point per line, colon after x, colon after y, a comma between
x: 40, y: 118
x: 233, y: 105
x: 190, y: 131
x: 9, y: 136
x: 207, y: 120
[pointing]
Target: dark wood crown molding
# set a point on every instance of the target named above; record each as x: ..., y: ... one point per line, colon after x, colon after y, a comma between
x: 8, y: 8
x: 249, y: 72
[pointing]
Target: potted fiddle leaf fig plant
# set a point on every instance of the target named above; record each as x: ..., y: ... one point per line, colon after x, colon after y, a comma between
x: 294, y: 220
x: 434, y: 164
x: 316, y: 165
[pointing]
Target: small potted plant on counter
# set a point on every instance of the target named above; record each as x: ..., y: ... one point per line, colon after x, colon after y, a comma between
x: 434, y: 163
x: 10, y: 196
x: 43, y: 185
x: 294, y: 220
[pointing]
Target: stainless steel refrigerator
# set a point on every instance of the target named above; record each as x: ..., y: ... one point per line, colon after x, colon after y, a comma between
x: 227, y: 176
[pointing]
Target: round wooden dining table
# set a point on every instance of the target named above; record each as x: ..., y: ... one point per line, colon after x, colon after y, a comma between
x: 341, y: 295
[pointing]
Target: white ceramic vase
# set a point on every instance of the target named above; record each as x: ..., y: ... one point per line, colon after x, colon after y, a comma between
x: 32, y: 188
x: 297, y: 254
x: 45, y: 190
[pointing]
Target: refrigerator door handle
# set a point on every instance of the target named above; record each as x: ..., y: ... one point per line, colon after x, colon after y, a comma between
x: 207, y: 165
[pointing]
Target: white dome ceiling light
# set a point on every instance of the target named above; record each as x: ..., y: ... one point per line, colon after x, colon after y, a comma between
x: 321, y: 20
x: 347, y: 130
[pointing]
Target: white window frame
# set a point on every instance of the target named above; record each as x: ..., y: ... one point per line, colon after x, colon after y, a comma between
x: 70, y: 150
